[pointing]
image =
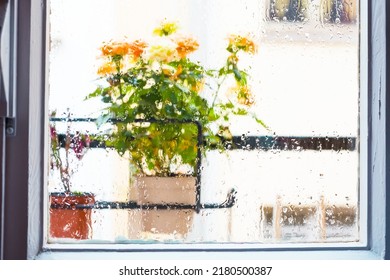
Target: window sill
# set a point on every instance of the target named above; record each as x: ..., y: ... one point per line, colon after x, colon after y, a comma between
x: 249, y: 255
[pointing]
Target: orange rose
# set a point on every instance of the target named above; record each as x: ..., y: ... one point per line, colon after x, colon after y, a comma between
x: 107, y: 69
x: 175, y: 75
x: 137, y: 48
x: 115, y: 48
x: 186, y: 46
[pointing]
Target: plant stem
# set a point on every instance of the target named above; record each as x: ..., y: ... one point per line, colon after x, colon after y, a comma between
x: 65, y: 170
x: 217, y: 91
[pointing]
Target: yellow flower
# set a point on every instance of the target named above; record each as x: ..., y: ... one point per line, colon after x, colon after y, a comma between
x: 243, y: 94
x: 198, y: 87
x: 233, y: 59
x: 162, y: 53
x: 107, y: 69
x: 115, y: 48
x: 166, y: 28
x: 167, y: 70
x: 185, y: 46
x: 238, y: 42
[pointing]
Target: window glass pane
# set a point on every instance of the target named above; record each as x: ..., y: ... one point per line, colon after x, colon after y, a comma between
x: 289, y: 171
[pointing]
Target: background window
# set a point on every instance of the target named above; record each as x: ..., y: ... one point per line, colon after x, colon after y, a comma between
x: 325, y: 11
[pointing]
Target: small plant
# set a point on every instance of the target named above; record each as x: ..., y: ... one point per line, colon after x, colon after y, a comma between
x: 76, y: 144
x: 161, y: 97
x: 66, y: 220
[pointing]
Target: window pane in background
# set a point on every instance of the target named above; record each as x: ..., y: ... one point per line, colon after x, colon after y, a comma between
x: 305, y: 80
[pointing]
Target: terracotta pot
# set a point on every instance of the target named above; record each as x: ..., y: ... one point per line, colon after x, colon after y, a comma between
x: 164, y: 190
x: 67, y: 219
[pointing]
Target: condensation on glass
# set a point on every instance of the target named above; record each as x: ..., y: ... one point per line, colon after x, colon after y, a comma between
x: 296, y: 182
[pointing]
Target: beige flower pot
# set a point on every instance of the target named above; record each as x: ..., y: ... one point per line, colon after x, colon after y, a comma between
x: 162, y: 190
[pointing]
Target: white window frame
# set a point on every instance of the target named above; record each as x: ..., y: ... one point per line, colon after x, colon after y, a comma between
x: 22, y: 236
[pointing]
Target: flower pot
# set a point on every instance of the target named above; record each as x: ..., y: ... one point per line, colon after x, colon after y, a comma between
x: 163, y: 191
x: 68, y: 217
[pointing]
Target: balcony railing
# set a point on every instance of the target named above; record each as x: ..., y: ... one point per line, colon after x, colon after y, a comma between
x: 266, y: 143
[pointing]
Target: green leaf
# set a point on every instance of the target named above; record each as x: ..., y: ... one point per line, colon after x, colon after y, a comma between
x: 212, y: 115
x: 261, y: 123
x: 172, y: 97
x: 241, y: 112
x: 106, y: 99
x: 223, y: 71
x: 169, y: 109
x: 102, y: 119
x: 213, y: 140
x: 98, y: 92
x: 237, y: 74
x: 229, y: 105
x: 240, y: 76
x: 182, y: 88
x: 243, y: 80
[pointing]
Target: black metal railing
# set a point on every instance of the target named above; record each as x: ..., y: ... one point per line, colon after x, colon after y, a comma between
x: 284, y: 143
x: 228, y: 203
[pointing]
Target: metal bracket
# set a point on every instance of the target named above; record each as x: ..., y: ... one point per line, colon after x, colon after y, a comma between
x: 10, y: 126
